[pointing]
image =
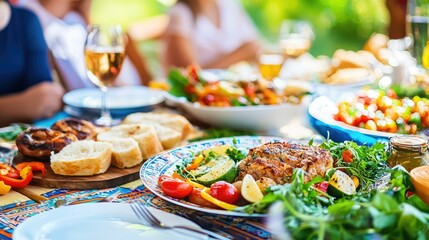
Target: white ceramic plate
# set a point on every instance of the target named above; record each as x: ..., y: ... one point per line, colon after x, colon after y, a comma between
x: 165, y: 163
x: 98, y: 221
x: 257, y: 118
x: 130, y: 97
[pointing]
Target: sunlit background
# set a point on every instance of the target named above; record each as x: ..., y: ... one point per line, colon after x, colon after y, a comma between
x: 345, y: 24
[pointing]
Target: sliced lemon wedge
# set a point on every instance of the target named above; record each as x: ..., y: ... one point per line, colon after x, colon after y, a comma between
x: 250, y: 190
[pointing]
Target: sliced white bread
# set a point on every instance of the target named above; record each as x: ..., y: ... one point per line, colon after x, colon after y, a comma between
x: 125, y: 153
x: 145, y: 136
x: 82, y: 158
x: 171, y: 120
x: 169, y: 137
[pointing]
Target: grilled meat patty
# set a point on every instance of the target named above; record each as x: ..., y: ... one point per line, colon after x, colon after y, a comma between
x: 278, y: 160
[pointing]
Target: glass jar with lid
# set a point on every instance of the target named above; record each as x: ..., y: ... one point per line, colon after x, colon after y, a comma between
x: 409, y: 151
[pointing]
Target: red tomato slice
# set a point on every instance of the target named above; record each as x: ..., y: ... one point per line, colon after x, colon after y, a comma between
x: 347, y: 156
x: 174, y: 187
x: 225, y: 192
x: 323, y: 186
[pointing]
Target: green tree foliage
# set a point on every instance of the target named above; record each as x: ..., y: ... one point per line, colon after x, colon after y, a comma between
x: 337, y: 23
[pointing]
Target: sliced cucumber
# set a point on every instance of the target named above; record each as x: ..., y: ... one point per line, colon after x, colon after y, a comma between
x: 341, y: 184
x: 226, y: 171
x: 206, y: 168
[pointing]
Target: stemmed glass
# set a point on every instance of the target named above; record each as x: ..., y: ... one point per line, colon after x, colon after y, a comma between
x: 417, y: 29
x: 104, y: 54
x: 295, y: 37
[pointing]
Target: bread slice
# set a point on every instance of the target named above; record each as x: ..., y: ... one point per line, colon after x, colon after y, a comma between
x: 82, y: 158
x: 169, y: 137
x: 144, y: 135
x: 171, y: 120
x: 125, y: 153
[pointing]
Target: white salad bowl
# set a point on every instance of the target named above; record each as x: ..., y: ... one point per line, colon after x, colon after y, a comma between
x: 257, y: 118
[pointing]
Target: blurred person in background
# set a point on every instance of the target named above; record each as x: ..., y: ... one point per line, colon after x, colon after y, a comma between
x: 27, y: 92
x: 397, y: 11
x: 210, y: 33
x: 64, y: 23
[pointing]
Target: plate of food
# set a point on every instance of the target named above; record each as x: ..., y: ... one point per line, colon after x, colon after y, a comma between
x: 244, y: 105
x: 120, y: 100
x: 369, y: 115
x: 326, y: 186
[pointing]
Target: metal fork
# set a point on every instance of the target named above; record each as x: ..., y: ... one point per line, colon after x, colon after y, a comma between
x: 143, y: 213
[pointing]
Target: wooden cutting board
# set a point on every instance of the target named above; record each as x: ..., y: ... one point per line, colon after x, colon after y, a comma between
x: 113, y: 177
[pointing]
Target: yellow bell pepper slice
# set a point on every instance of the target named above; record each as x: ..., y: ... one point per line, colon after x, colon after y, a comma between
x: 195, y: 185
x: 205, y: 194
x: 4, y: 188
x: 195, y: 163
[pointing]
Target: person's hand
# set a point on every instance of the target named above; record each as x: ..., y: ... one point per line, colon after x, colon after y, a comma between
x: 42, y: 100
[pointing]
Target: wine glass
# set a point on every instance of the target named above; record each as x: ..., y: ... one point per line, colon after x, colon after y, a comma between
x: 295, y: 37
x: 104, y: 54
x: 417, y: 28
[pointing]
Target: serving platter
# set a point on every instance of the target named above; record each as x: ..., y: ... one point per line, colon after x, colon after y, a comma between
x: 165, y: 163
x: 113, y: 177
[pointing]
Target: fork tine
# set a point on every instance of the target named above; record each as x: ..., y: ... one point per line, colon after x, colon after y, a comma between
x: 150, y: 215
x: 142, y: 215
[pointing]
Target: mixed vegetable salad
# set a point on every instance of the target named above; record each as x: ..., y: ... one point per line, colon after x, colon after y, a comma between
x: 385, y: 111
x: 360, y: 197
x: 190, y: 84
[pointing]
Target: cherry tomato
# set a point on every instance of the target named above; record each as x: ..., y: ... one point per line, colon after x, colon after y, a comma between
x: 225, y: 192
x: 392, y: 94
x: 174, y: 187
x: 195, y: 197
x: 347, y: 156
x: 35, y: 166
x: 370, y: 125
x: 322, y: 186
x: 408, y: 194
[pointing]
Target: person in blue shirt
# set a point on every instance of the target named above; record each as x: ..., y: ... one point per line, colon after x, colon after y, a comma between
x: 27, y: 92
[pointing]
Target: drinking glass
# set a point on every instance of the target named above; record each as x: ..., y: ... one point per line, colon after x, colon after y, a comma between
x: 417, y: 27
x: 270, y: 63
x: 295, y: 37
x: 104, y: 54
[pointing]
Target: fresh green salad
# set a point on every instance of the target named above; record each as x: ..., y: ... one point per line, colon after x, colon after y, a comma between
x: 361, y: 197
x: 383, y: 211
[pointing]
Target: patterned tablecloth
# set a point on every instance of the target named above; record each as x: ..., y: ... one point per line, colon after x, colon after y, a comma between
x: 11, y: 215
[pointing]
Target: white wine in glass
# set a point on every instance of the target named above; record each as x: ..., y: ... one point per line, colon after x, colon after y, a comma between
x: 295, y: 38
x: 104, y: 55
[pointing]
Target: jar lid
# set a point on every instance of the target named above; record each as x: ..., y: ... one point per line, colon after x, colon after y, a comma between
x: 409, y: 142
